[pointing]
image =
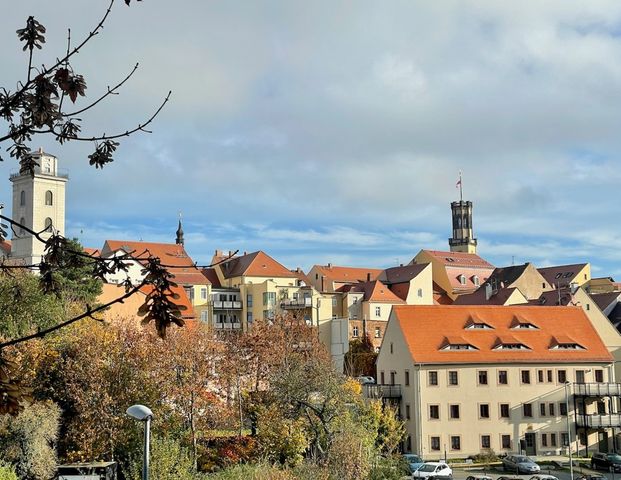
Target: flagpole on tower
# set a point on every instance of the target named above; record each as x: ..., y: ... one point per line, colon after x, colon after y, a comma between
x: 461, y: 191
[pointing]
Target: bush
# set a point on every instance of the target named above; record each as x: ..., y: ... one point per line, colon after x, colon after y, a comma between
x: 253, y: 472
x: 168, y: 461
x: 224, y: 452
x: 7, y: 472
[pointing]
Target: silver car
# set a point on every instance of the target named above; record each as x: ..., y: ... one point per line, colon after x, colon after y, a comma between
x: 519, y: 464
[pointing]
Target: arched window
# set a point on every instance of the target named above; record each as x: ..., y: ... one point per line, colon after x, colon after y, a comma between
x: 22, y: 221
x: 48, y: 224
x: 22, y: 198
x: 48, y: 198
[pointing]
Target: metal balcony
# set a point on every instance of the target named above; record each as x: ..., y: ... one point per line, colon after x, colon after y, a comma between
x: 227, y: 326
x: 297, y: 303
x: 597, y: 389
x: 599, y: 420
x: 227, y: 305
x: 382, y: 391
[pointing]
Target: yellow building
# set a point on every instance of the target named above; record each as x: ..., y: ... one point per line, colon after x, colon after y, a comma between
x: 467, y: 379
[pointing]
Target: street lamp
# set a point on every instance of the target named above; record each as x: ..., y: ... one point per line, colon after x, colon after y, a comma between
x: 571, y: 463
x: 143, y: 414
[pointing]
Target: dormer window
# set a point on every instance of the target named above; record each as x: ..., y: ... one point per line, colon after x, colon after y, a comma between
x: 475, y: 280
x: 524, y: 326
x: 558, y: 275
x: 511, y: 346
x: 462, y: 279
x: 567, y: 346
x: 568, y: 274
x: 478, y: 326
x: 459, y: 346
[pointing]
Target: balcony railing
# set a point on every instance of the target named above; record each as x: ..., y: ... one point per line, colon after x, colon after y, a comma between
x: 597, y: 389
x: 599, y: 421
x: 227, y: 305
x: 297, y: 303
x: 382, y: 391
x: 227, y: 326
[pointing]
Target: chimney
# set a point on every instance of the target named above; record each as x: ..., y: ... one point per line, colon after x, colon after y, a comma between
x: 323, y: 279
x: 329, y: 265
x: 488, y: 291
x: 401, y: 264
x: 368, y: 276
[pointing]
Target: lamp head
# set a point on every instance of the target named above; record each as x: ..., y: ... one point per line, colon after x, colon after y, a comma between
x: 139, y: 412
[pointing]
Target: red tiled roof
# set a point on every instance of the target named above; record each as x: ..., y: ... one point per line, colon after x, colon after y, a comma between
x: 460, y: 259
x: 170, y: 254
x: 256, y: 264
x: 454, y: 272
x: 93, y: 252
x: 425, y: 327
x: 348, y: 274
x: 401, y: 290
x: 376, y: 291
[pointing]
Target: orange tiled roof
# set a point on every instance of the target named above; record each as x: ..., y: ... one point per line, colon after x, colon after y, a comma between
x: 93, y: 252
x: 376, y: 291
x: 425, y: 328
x: 348, y: 274
x: 169, y: 253
x: 454, y: 272
x: 256, y: 264
x: 460, y: 259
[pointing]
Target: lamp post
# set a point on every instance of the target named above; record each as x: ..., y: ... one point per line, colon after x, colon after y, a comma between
x: 571, y: 463
x: 143, y: 414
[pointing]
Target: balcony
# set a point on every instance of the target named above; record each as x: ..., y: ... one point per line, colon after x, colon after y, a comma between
x: 599, y: 421
x: 597, y: 389
x: 305, y: 302
x: 381, y: 391
x: 227, y: 305
x: 227, y: 326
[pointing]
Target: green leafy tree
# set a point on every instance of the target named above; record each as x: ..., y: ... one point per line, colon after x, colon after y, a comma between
x: 280, y: 439
x: 28, y: 440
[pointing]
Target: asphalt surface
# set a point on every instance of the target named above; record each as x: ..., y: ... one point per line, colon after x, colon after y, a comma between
x: 561, y: 474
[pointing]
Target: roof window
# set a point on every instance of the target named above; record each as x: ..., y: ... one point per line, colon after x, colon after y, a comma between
x: 511, y: 346
x: 558, y: 275
x: 567, y: 346
x: 568, y: 274
x: 478, y: 326
x: 462, y: 279
x: 458, y: 346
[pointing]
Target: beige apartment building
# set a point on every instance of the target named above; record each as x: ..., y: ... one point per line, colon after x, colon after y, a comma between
x: 467, y: 379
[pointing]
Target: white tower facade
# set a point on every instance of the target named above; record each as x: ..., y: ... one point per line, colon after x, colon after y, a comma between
x: 39, y: 204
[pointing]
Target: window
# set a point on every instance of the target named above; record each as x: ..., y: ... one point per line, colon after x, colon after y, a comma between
x: 486, y: 441
x: 476, y: 280
x: 393, y: 378
x: 544, y: 440
x: 378, y: 311
x: 579, y: 376
x: 484, y: 410
x: 528, y: 409
x: 503, y: 378
x: 561, y: 375
x: 407, y: 411
x: 434, y: 412
x: 462, y: 279
x: 334, y: 302
x: 249, y: 300
x: 269, y: 298
x: 22, y: 198
x: 553, y: 439
x: 354, y: 332
x: 407, y: 375
x: 562, y: 408
x: 454, y: 411
x: 505, y: 441
x: 48, y: 224
x: 203, y: 294
x: 435, y: 443
x: 249, y: 317
x: 420, y: 293
x: 525, y: 375
x: 550, y: 375
x: 588, y: 306
x: 455, y: 442
x: 453, y: 378
x: 382, y: 378
x: 551, y: 409
x: 22, y: 221
x: 540, y: 376
x: 542, y: 409
x: 378, y: 332
x: 565, y: 439
x: 204, y: 316
x: 432, y: 378
x: 48, y: 198
x: 482, y: 377
x: 391, y: 348
x: 599, y: 376
x: 190, y: 292
x: 504, y: 410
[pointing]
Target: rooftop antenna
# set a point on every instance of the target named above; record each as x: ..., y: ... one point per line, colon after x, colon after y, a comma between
x: 459, y: 185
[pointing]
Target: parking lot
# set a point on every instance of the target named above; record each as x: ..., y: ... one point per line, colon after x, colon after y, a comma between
x: 561, y: 474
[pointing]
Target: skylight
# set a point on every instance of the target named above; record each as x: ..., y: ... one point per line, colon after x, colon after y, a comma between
x: 458, y: 346
x: 511, y: 346
x: 567, y: 346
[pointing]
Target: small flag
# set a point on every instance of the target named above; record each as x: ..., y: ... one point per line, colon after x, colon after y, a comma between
x: 458, y: 183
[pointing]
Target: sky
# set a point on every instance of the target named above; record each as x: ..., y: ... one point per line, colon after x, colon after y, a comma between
x: 334, y: 131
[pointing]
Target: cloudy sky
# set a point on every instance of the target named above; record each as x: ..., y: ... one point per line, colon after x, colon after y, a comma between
x: 333, y: 131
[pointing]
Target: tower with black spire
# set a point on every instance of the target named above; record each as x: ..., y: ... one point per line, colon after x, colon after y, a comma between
x: 179, y: 240
x: 463, y: 237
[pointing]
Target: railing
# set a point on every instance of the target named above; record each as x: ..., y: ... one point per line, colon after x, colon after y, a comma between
x: 297, y: 303
x: 597, y: 389
x: 382, y: 391
x: 599, y: 420
x: 227, y: 326
x: 60, y: 174
x: 231, y: 305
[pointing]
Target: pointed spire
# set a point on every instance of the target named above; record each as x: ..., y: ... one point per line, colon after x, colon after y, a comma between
x: 179, y: 240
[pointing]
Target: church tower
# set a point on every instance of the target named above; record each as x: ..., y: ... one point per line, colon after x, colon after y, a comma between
x: 39, y: 204
x: 463, y: 238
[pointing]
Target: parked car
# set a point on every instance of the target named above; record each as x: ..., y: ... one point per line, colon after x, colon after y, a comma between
x: 606, y: 461
x: 509, y: 478
x: 433, y: 471
x: 414, y: 461
x: 592, y: 476
x: 364, y: 379
x: 479, y: 477
x: 519, y: 464
x: 543, y: 477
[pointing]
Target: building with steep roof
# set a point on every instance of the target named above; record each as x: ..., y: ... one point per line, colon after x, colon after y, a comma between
x: 455, y: 273
x: 332, y: 278
x: 467, y: 379
x: 564, y: 275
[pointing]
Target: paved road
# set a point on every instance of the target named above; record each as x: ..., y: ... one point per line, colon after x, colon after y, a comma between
x: 459, y: 474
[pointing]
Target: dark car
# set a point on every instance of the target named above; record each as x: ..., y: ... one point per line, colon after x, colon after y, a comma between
x: 592, y: 476
x: 606, y: 461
